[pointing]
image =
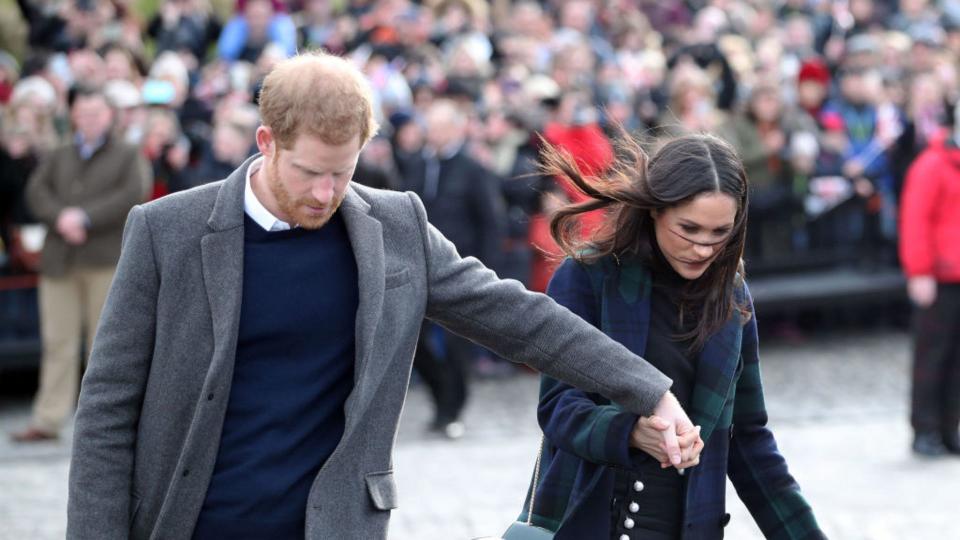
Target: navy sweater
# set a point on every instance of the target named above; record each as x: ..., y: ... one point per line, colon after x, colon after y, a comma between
x: 293, y: 373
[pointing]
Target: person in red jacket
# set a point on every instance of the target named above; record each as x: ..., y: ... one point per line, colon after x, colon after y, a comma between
x: 930, y: 255
x: 574, y: 130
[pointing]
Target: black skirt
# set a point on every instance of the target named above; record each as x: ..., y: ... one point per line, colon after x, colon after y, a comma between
x: 647, y: 504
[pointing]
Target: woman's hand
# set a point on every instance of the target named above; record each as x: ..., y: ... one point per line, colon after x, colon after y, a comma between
x: 647, y: 435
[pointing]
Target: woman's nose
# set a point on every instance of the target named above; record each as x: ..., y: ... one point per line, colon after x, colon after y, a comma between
x: 703, y: 251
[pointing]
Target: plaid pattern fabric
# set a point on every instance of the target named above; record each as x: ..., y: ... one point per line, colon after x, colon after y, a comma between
x: 586, y: 436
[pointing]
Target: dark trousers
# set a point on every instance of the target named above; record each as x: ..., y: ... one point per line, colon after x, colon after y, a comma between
x: 936, y: 363
x: 444, y: 371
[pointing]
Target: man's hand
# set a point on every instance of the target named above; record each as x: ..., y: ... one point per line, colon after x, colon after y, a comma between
x: 677, y: 424
x: 922, y: 290
x: 72, y: 225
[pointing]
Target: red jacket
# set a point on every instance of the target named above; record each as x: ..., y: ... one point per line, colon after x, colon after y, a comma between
x: 592, y: 152
x: 930, y: 215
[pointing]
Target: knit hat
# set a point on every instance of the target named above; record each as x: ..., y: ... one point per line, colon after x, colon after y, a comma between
x: 814, y: 70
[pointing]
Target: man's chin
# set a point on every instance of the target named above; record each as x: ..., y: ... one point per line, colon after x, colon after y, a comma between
x: 313, y: 221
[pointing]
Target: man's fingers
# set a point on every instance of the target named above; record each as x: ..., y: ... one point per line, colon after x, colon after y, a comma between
x: 655, y: 422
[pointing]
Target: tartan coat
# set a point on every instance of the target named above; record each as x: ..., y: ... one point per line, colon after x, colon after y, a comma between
x: 586, y: 437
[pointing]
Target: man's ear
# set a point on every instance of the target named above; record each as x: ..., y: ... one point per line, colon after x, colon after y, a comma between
x: 265, y: 141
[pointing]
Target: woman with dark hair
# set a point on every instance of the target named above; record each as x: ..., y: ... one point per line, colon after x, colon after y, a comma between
x: 664, y: 277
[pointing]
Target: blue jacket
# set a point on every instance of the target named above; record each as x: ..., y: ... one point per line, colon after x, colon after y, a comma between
x: 233, y: 38
x: 586, y: 436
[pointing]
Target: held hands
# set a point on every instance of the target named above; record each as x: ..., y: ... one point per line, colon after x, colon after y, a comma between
x: 648, y: 435
x: 668, y: 435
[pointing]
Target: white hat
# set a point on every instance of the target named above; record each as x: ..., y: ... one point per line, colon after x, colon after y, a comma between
x: 122, y: 94
x: 34, y: 87
x: 539, y: 87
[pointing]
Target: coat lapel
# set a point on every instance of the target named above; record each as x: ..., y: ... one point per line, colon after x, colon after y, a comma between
x: 221, y: 254
x: 222, y: 258
x: 716, y: 370
x: 625, y: 314
x: 366, y: 238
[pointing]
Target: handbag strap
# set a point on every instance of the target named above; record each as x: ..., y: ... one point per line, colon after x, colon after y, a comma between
x: 536, y: 480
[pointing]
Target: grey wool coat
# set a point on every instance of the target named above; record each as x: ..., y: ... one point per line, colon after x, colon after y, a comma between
x: 155, y: 392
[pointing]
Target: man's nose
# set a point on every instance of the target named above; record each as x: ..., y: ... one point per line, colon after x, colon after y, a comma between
x: 323, y: 191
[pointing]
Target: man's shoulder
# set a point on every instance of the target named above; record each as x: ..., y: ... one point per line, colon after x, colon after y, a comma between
x: 121, y: 146
x: 384, y: 202
x: 185, y: 205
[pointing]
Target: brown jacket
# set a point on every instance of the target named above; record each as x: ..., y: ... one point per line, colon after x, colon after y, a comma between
x: 106, y: 187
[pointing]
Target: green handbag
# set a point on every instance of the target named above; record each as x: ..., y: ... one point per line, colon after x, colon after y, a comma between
x: 527, y: 530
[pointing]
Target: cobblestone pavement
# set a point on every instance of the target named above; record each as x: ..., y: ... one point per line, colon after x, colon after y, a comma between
x: 837, y: 406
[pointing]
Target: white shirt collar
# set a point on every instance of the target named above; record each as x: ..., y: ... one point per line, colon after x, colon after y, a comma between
x: 255, y: 209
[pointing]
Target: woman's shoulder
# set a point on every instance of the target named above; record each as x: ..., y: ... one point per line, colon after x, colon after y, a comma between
x: 591, y: 261
x: 627, y: 274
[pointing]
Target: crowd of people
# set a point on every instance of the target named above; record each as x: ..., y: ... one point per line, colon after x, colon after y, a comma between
x: 827, y: 102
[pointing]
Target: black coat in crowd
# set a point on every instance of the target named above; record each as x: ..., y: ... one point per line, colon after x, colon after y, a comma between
x: 464, y: 203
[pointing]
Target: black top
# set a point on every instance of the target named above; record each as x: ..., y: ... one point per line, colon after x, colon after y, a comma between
x: 660, y: 503
x: 291, y: 378
x: 664, y: 350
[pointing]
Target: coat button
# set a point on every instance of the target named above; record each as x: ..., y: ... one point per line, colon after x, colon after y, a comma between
x: 638, y: 486
x: 186, y: 473
x: 634, y: 507
x: 624, y: 537
x: 210, y: 396
x: 628, y: 523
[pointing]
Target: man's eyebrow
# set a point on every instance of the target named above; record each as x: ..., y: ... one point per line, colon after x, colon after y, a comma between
x: 302, y: 166
x: 310, y: 169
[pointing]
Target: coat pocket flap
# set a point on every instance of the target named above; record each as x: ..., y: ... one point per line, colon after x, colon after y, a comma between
x: 396, y: 279
x: 383, y: 490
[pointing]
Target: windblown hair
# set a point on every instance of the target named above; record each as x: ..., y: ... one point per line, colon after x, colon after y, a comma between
x: 319, y: 94
x: 681, y: 169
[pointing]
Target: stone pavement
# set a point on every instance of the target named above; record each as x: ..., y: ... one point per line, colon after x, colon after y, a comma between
x: 837, y: 406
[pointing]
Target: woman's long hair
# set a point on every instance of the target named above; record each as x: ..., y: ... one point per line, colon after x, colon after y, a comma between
x: 679, y: 170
